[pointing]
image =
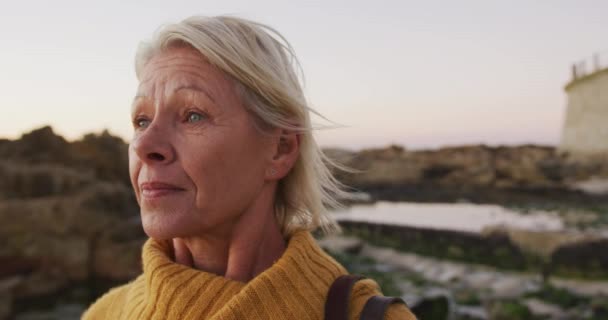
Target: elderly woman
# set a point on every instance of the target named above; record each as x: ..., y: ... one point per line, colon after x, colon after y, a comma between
x: 230, y: 183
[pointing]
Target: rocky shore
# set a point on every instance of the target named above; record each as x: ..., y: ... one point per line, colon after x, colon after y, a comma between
x: 523, y: 175
x: 440, y: 289
x: 71, y: 224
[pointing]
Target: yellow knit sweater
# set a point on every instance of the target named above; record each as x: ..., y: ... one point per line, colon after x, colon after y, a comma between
x: 295, y: 287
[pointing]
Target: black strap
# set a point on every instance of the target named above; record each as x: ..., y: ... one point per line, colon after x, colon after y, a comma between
x: 376, y: 306
x: 336, y: 305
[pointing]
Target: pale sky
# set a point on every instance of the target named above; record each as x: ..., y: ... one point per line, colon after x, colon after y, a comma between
x: 422, y: 74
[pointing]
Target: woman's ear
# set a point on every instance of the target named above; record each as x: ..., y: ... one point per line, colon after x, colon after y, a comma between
x: 286, y: 152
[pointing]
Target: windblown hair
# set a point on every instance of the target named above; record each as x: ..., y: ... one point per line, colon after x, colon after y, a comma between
x: 264, y: 69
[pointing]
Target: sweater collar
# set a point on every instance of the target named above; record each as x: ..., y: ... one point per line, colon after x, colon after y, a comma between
x: 300, y: 277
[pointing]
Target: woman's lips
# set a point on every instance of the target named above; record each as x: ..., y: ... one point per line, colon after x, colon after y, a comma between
x: 156, y: 189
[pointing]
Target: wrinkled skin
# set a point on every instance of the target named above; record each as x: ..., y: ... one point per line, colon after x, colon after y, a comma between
x: 203, y: 174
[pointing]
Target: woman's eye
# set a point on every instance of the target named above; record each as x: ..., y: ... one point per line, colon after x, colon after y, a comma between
x: 142, y: 123
x: 195, y: 117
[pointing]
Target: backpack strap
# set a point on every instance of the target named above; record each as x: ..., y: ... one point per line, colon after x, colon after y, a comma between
x: 376, y: 306
x: 338, y: 297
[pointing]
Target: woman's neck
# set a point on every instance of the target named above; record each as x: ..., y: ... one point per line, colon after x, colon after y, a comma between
x: 253, y: 244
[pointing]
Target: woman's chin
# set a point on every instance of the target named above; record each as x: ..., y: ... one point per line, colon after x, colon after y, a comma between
x: 164, y: 228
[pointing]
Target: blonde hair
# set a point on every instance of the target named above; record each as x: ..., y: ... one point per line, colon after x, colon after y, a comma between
x: 265, y: 69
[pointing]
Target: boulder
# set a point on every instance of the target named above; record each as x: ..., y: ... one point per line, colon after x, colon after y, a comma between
x: 53, y: 241
x: 540, y: 308
x: 350, y: 245
x: 470, y: 313
x: 432, y: 303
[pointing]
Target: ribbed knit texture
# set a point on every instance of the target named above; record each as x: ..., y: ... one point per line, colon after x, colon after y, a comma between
x: 295, y: 287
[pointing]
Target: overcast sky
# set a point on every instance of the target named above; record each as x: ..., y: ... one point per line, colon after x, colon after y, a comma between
x: 416, y: 73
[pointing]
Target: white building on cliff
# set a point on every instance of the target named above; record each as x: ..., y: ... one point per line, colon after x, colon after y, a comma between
x: 585, y: 130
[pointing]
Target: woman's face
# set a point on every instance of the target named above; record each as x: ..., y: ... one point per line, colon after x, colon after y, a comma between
x: 196, y: 160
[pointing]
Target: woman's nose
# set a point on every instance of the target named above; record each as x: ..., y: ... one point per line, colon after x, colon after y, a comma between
x: 153, y: 146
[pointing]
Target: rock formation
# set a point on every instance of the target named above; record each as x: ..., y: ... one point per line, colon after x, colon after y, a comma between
x: 68, y: 214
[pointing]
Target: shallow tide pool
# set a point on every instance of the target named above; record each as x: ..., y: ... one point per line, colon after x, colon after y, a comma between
x: 450, y: 216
